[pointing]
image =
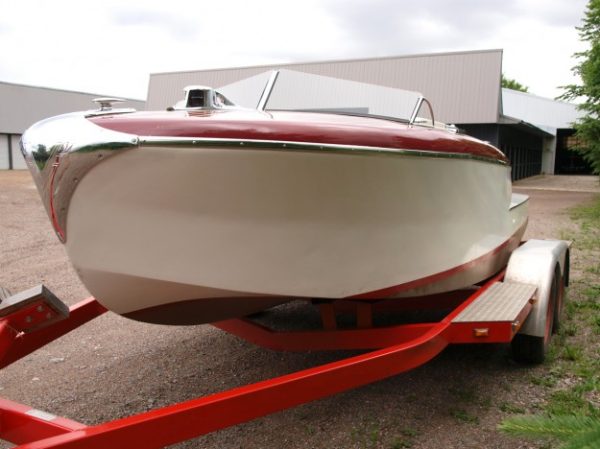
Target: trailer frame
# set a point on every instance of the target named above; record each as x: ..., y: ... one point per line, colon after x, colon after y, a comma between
x: 493, y: 312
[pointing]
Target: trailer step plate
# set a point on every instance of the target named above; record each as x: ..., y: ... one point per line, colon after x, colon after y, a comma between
x: 32, y: 309
x: 503, y: 301
x: 4, y: 293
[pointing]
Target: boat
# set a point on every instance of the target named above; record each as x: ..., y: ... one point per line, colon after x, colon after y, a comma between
x: 210, y: 210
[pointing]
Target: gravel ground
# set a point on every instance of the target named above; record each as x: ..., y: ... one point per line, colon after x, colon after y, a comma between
x: 113, y: 367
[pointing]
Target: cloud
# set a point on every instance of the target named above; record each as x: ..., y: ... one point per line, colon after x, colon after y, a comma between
x: 112, y: 46
x: 553, y: 13
x: 179, y: 27
x: 538, y: 37
x: 388, y: 27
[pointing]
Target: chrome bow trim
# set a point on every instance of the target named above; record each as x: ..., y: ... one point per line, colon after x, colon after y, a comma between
x: 224, y: 143
x: 59, y: 151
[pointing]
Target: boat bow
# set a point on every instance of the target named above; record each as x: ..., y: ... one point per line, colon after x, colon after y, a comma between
x: 60, y: 150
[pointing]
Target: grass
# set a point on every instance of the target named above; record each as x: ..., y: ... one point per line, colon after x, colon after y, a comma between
x: 587, y: 214
x: 595, y: 269
x: 511, y: 408
x: 571, y: 381
x: 568, y: 329
x: 572, y: 352
x: 405, y: 440
x: 592, y: 294
x: 400, y: 443
x: 408, y: 432
x: 463, y: 416
x: 547, y: 381
x: 464, y: 394
x: 368, y: 434
x: 372, y: 434
x: 567, y: 402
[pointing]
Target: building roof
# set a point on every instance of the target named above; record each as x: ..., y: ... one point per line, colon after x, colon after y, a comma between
x: 544, y: 113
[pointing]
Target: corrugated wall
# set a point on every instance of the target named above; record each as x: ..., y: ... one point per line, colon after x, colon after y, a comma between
x: 463, y: 87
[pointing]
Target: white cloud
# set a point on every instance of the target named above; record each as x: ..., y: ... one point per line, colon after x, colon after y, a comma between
x: 111, y: 47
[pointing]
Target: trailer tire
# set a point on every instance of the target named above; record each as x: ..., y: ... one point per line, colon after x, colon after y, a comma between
x: 563, y: 282
x: 530, y: 349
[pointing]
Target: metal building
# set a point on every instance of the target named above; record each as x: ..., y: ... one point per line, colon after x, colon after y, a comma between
x: 464, y: 88
x: 21, y: 106
x: 556, y: 118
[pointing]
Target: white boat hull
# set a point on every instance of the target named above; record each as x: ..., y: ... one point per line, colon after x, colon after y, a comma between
x: 230, y: 231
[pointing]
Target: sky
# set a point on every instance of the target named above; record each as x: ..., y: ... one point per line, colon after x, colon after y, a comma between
x: 111, y: 47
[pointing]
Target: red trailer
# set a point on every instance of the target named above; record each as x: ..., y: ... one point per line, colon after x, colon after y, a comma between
x: 519, y: 305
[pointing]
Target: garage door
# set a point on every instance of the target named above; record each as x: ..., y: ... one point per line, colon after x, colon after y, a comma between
x: 18, y: 162
x: 4, y: 160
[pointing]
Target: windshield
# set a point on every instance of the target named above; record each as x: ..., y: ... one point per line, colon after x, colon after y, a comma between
x: 298, y: 91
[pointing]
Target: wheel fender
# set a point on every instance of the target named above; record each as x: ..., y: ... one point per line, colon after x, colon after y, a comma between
x: 534, y: 263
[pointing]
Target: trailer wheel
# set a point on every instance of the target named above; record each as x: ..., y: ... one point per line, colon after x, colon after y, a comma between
x: 563, y: 283
x: 558, y: 308
x: 531, y: 349
x: 528, y: 349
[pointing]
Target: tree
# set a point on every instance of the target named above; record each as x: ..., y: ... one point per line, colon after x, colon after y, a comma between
x: 510, y: 83
x: 588, y: 128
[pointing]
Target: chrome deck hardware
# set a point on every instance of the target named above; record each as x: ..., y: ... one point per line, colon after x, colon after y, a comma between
x: 106, y: 103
